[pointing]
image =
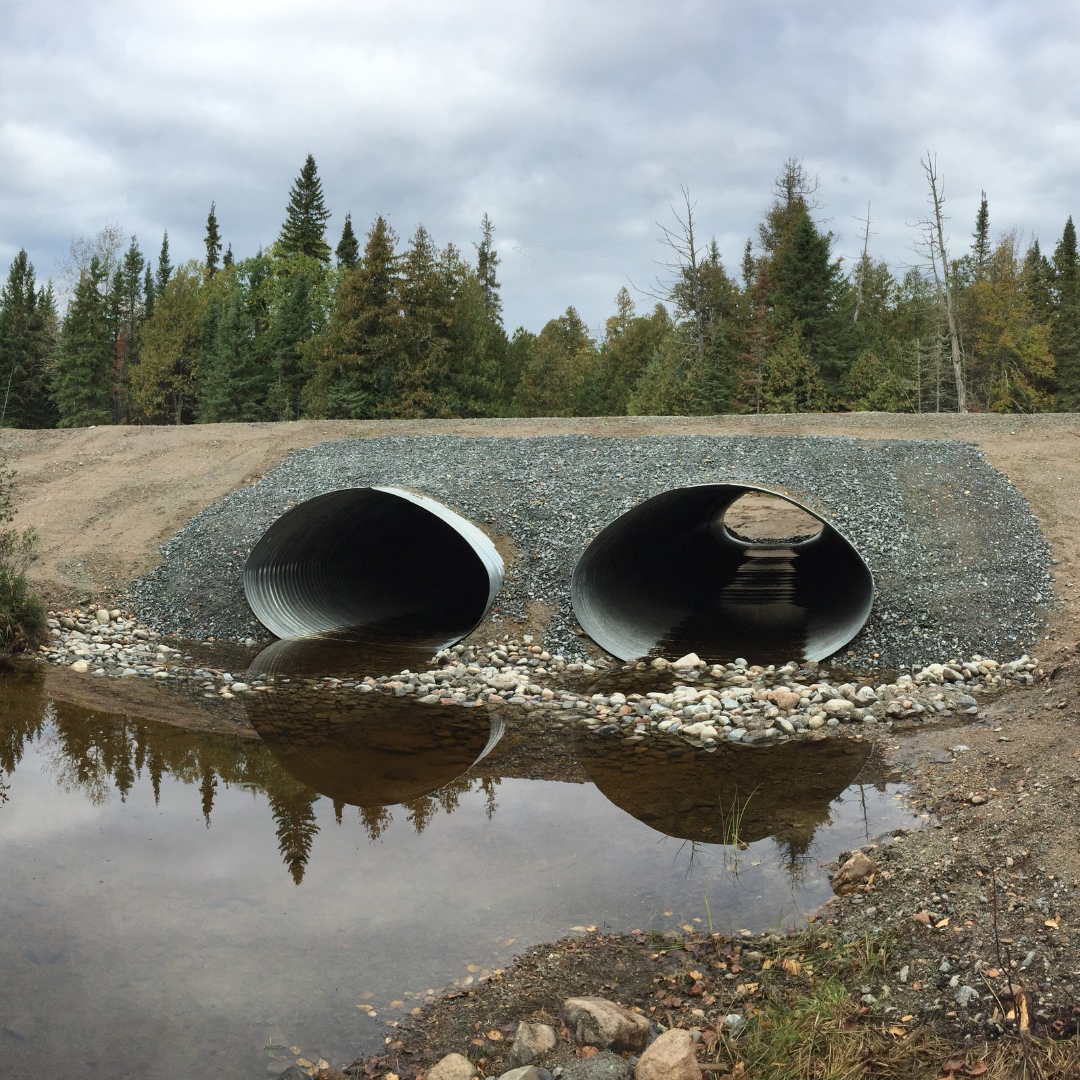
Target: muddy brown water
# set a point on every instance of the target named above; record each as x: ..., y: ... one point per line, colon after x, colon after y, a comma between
x: 175, y: 902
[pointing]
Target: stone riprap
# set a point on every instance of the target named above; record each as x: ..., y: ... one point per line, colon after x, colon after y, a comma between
x: 959, y: 561
x: 708, y: 703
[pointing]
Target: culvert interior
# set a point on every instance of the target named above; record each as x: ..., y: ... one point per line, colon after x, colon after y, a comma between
x: 381, y: 564
x: 669, y: 576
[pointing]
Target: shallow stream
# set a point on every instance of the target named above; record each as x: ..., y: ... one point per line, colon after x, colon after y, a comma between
x: 173, y: 902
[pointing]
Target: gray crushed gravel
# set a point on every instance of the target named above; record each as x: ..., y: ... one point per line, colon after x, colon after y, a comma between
x: 961, y: 565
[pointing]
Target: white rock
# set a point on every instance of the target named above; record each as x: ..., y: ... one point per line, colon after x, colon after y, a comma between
x: 102, y: 617
x: 81, y: 666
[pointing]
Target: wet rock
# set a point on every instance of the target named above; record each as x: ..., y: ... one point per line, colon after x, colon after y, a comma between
x: 858, y: 868
x: 452, y: 1067
x: 531, y: 1041
x: 670, y: 1057
x: 603, y: 1024
x: 602, y: 1066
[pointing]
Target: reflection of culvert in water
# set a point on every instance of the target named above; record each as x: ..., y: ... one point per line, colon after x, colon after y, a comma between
x: 365, y: 749
x: 732, y: 793
x: 383, y: 562
x: 670, y: 574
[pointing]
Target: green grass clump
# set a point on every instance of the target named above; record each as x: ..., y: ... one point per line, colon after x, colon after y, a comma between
x: 23, y: 617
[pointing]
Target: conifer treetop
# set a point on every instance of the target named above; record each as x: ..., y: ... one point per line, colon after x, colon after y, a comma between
x: 304, y: 230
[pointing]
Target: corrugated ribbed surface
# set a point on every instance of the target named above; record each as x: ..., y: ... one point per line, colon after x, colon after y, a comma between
x: 669, y: 575
x: 383, y: 562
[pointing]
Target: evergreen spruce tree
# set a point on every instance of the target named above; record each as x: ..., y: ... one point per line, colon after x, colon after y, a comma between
x: 304, y: 230
x: 487, y: 263
x: 164, y: 267
x: 27, y: 342
x: 422, y: 383
x: 980, y: 247
x: 213, y: 242
x: 791, y: 380
x: 1038, y: 283
x: 148, y: 291
x: 228, y: 260
x: 129, y: 310
x: 294, y: 323
x: 234, y: 373
x: 356, y: 358
x: 1065, y: 330
x: 82, y: 372
x: 348, y: 249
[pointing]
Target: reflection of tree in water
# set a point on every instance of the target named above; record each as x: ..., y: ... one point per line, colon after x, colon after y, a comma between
x: 95, y: 754
x: 294, y: 813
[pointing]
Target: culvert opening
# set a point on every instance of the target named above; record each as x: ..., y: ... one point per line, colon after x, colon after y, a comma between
x: 759, y: 517
x: 672, y: 576
x: 379, y: 564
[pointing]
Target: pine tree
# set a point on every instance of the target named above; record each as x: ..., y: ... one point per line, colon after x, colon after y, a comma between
x: 348, y: 249
x: 27, y: 342
x: 82, y: 372
x: 1065, y: 330
x: 228, y: 260
x: 356, y: 358
x: 164, y: 267
x: 213, y: 242
x: 304, y: 230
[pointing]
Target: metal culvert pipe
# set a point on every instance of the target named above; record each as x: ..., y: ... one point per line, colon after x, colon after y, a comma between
x: 670, y: 576
x: 380, y: 563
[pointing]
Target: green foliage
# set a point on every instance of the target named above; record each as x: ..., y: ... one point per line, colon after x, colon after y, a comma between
x: 213, y: 242
x: 1065, y: 327
x: 355, y: 359
x: 558, y: 369
x: 348, y: 249
x: 129, y: 310
x: 304, y: 230
x: 791, y: 380
x: 163, y: 383
x: 28, y: 329
x: 82, y: 373
x: 23, y: 618
x: 164, y: 266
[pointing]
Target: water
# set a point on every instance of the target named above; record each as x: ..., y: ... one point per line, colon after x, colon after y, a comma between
x: 173, y: 902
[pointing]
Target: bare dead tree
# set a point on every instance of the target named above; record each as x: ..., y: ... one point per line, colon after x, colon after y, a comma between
x: 862, y: 263
x: 934, y: 228
x: 684, y: 267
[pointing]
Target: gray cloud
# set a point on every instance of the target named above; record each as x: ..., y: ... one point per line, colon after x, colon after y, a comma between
x: 572, y: 125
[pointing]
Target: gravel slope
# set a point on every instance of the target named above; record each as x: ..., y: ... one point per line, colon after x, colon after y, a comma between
x: 959, y: 559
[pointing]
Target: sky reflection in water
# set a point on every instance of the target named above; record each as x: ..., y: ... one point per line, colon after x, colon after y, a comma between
x: 173, y: 901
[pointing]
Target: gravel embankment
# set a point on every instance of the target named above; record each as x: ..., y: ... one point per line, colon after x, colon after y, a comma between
x: 958, y: 557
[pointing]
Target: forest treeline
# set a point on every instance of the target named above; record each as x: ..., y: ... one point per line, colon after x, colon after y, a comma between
x: 416, y: 330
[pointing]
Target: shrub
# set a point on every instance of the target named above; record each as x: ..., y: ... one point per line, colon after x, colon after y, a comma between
x: 23, y: 618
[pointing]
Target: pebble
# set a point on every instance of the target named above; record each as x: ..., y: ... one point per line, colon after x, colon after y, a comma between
x: 736, y: 702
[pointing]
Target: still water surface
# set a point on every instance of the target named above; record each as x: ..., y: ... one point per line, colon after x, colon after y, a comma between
x: 172, y: 902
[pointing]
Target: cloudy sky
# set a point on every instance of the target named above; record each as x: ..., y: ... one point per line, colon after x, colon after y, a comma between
x: 572, y: 124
